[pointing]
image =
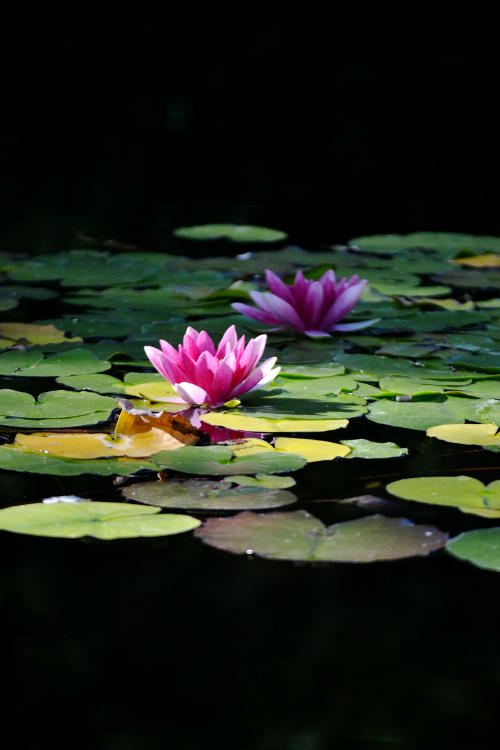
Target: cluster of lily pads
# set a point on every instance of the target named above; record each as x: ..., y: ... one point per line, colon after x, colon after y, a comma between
x: 78, y: 395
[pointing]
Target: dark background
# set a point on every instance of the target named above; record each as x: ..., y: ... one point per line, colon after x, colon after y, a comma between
x: 328, y: 127
x: 128, y: 125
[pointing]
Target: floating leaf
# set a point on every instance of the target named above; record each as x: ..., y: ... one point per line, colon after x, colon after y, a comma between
x: 96, y: 519
x: 301, y: 537
x: 480, y: 547
x: 53, y: 409
x: 36, y: 365
x: 462, y: 492
x: 487, y: 260
x: 15, y: 458
x: 95, y: 445
x: 206, y: 495
x: 467, y: 434
x: 219, y: 459
x: 363, y: 448
x: 312, y: 450
x: 232, y: 232
x: 247, y: 423
x: 30, y: 333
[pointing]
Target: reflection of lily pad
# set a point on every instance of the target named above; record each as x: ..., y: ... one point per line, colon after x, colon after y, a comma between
x: 207, y: 495
x: 299, y: 536
x: 100, y: 520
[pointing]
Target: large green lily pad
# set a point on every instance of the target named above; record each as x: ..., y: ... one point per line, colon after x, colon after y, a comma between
x: 100, y: 520
x: 302, y: 537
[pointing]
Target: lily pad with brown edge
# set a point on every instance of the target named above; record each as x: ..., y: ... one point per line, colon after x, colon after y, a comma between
x: 298, y: 536
x: 100, y: 520
x: 207, y: 495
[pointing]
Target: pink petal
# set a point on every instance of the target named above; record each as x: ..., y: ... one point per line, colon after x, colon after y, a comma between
x: 255, y: 314
x: 205, y: 343
x: 279, y: 308
x: 204, y: 374
x: 255, y: 377
x: 188, y: 364
x: 191, y: 393
x: 278, y: 287
x: 158, y: 360
x: 190, y: 348
x: 313, y: 304
x: 222, y: 382
x: 230, y: 337
x: 342, y: 305
x: 252, y: 354
x: 169, y: 351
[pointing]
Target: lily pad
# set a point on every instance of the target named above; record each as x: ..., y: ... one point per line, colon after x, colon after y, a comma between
x: 249, y: 423
x: 232, y: 232
x: 96, y: 519
x: 362, y: 448
x: 467, y: 434
x: 207, y: 495
x: 301, y: 537
x: 36, y: 365
x: 480, y: 547
x: 53, y: 409
x: 16, y: 458
x: 458, y: 492
x: 219, y: 459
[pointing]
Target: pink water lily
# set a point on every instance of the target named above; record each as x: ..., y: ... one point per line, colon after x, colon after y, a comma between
x: 204, y: 375
x: 313, y: 308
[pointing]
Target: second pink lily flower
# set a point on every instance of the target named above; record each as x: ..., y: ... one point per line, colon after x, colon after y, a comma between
x: 313, y: 308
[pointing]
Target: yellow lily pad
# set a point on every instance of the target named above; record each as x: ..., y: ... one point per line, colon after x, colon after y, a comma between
x: 98, y: 445
x: 467, y: 434
x: 264, y: 424
x: 312, y: 450
x: 155, y: 391
x: 487, y: 260
x: 31, y: 333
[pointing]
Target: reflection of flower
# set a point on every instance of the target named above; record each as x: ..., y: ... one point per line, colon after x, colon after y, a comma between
x: 200, y: 374
x: 310, y: 307
x: 222, y: 434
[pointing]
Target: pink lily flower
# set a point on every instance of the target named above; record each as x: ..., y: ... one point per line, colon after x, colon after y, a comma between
x: 313, y: 308
x: 204, y: 375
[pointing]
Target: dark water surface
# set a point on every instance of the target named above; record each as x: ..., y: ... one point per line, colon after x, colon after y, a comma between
x: 328, y: 130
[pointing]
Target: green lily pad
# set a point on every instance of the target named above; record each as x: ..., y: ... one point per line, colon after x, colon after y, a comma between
x: 15, y: 458
x: 458, y: 492
x: 363, y: 448
x: 96, y: 519
x: 301, y: 537
x: 53, y: 409
x: 232, y: 232
x: 34, y: 364
x: 207, y: 495
x: 219, y: 459
x: 480, y: 547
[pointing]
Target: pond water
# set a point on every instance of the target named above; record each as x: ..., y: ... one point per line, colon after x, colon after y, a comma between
x: 382, y: 637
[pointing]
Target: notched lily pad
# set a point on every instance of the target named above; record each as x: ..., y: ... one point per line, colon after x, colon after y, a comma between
x: 301, y: 537
x: 96, y: 519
